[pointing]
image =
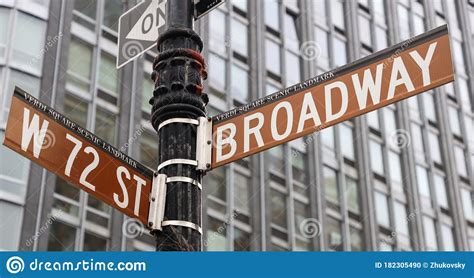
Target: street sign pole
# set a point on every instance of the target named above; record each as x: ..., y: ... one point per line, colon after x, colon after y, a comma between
x: 178, y: 113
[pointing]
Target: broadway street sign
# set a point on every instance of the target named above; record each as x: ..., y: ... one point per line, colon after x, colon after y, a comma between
x: 48, y: 138
x: 396, y: 73
x: 139, y: 29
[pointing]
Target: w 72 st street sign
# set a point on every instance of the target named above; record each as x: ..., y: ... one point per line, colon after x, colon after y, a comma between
x: 66, y: 149
x: 401, y: 71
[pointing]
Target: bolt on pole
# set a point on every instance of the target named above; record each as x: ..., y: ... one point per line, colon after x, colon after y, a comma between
x: 178, y: 101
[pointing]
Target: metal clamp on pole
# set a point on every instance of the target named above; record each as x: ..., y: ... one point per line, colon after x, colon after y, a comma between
x: 156, y: 212
x: 178, y: 120
x: 204, y: 144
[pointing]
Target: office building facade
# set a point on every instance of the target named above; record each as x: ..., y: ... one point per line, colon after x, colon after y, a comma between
x: 399, y: 178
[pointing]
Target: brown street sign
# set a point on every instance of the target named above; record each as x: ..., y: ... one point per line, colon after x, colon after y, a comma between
x: 396, y: 73
x: 48, y: 138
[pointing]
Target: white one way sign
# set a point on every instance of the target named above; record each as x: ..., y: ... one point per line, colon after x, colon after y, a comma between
x: 139, y: 29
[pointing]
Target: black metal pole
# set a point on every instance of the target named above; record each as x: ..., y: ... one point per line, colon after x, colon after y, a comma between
x: 178, y: 71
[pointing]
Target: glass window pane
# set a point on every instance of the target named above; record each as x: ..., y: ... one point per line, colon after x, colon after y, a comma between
x: 352, y: 195
x: 429, y: 105
x: 76, y: 110
x: 319, y: 10
x: 216, y: 183
x: 347, y: 141
x: 390, y: 122
x: 434, y: 147
x: 147, y: 92
x: 440, y: 187
x: 241, y: 4
x: 422, y: 181
x: 333, y: 234
x: 112, y: 11
x: 108, y: 73
x: 337, y: 13
x: 460, y: 161
x: 340, y: 52
x: 94, y: 243
x: 327, y: 137
x: 240, y: 83
x: 272, y: 56
x: 11, y: 215
x: 364, y: 28
x: 272, y: 15
x: 430, y: 233
x: 373, y: 119
x: 454, y: 120
x: 61, y: 237
x: 216, y: 235
x: 357, y: 239
x: 301, y: 214
x: 298, y: 163
x: 105, y: 125
x: 323, y: 47
x: 279, y: 209
x: 217, y: 72
x: 79, y: 64
x: 28, y: 42
x: 395, y: 167
x: 292, y: 68
x: 381, y: 209
x: 86, y: 7
x: 331, y: 189
x: 376, y: 159
x: 381, y: 36
x: 275, y: 159
x: 241, y: 240
x: 4, y: 27
x: 149, y: 149
x: 467, y: 203
x: 401, y: 218
x: 26, y: 82
x: 448, y: 238
x: 241, y: 193
x: 217, y: 33
x: 291, y: 32
x: 239, y: 37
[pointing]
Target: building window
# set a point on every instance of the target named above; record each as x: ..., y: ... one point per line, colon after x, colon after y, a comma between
x: 79, y: 64
x: 331, y: 189
x: 272, y: 14
x: 239, y: 37
x: 217, y: 72
x: 28, y: 43
x: 352, y: 195
x: 381, y: 209
x: 376, y: 158
x: 448, y: 238
x: 217, y: 33
x: 431, y: 242
x: 347, y: 141
x: 460, y: 161
x: 240, y: 83
x: 108, y: 74
x: 401, y: 219
x: 62, y: 237
x: 440, y: 188
x: 467, y: 204
x: 4, y: 27
x: 112, y: 11
x: 272, y: 57
x: 216, y: 235
x: 422, y: 181
x: 434, y: 147
x: 241, y: 194
x: 279, y: 208
x: 333, y: 234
